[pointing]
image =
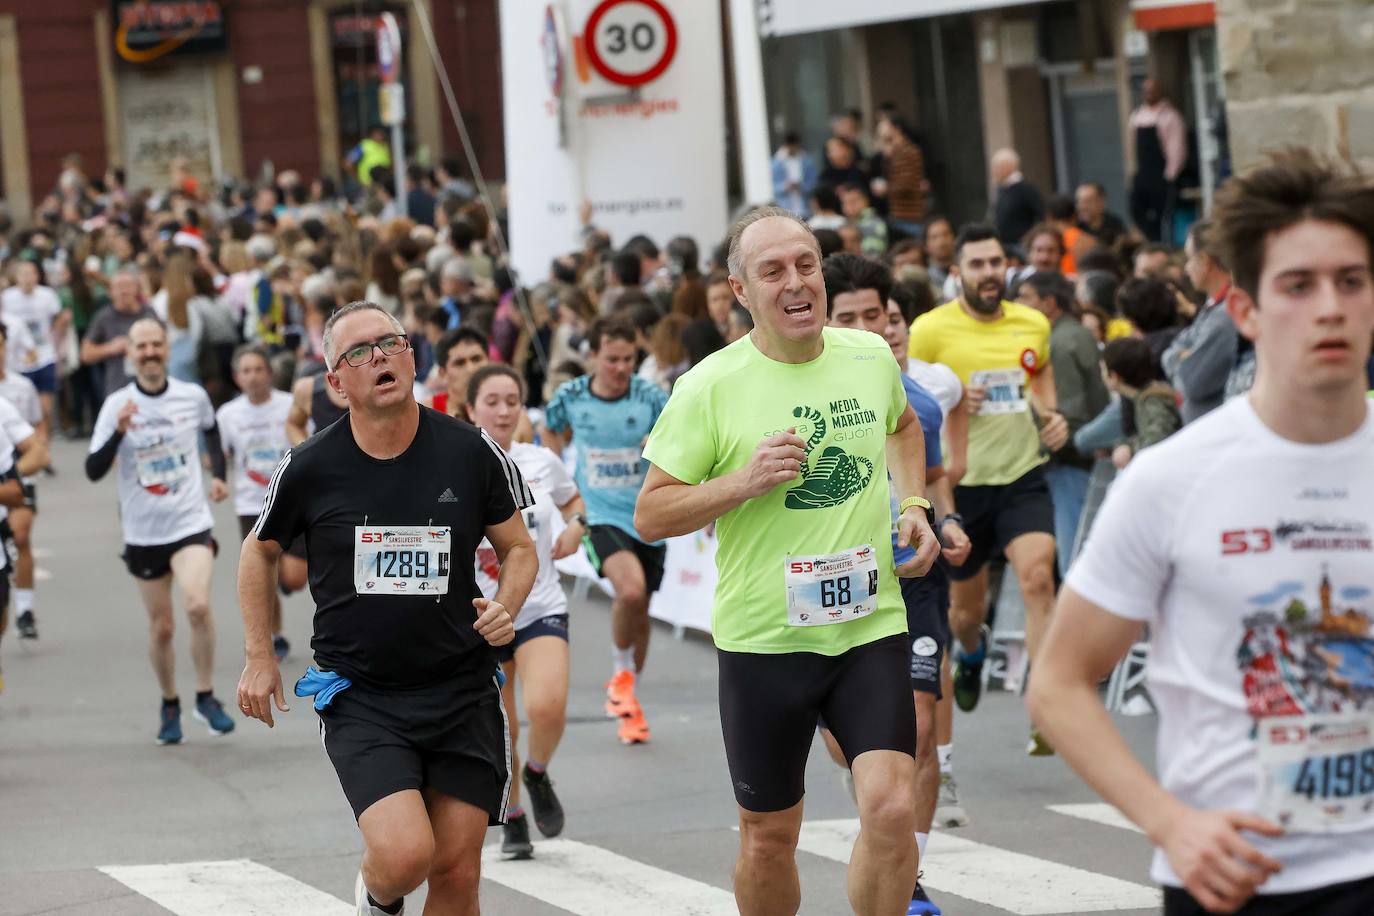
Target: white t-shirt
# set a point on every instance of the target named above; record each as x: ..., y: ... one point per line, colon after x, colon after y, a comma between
x: 21, y: 392
x: 255, y: 436
x: 14, y: 424
x: 552, y: 486
x: 1252, y: 559
x: 940, y: 380
x: 9, y: 453
x: 20, y: 347
x: 37, y: 311
x: 161, y: 496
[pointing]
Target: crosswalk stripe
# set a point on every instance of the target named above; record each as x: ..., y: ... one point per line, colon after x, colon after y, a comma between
x: 591, y: 881
x: 237, y: 887
x: 1008, y: 880
x: 1097, y: 813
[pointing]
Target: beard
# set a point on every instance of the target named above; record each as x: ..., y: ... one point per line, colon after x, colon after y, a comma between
x: 987, y: 304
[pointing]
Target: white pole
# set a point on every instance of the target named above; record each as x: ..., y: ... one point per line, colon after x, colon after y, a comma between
x: 751, y: 105
x: 398, y: 162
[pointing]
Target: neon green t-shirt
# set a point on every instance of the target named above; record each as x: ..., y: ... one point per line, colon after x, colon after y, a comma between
x: 1003, y: 442
x: 808, y: 566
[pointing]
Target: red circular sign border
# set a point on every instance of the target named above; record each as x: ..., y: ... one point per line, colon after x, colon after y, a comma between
x: 614, y: 76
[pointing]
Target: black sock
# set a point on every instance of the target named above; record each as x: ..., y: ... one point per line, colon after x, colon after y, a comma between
x: 174, y: 701
x: 392, y: 908
x: 203, y: 695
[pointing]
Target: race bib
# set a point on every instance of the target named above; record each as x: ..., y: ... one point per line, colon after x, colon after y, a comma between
x: 161, y: 467
x: 259, y: 461
x: 832, y: 589
x: 1006, y: 390
x: 613, y: 468
x: 1317, y: 772
x: 401, y: 560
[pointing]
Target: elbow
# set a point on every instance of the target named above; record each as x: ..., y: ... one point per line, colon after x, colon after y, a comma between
x: 648, y: 523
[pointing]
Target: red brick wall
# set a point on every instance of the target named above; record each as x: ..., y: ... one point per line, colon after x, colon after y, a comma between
x: 469, y: 39
x: 277, y: 115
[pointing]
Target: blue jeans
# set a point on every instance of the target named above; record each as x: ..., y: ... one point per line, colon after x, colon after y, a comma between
x: 1069, y: 490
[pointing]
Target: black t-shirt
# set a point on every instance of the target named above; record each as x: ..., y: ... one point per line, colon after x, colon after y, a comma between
x: 452, y: 475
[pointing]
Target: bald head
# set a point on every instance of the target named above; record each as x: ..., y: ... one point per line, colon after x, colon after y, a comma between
x: 1005, y: 163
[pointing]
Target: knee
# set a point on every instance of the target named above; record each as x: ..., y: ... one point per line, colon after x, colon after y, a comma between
x: 767, y: 844
x: 892, y: 814
x: 632, y: 593
x: 544, y: 713
x: 459, y: 874
x: 198, y: 610
x: 160, y: 630
x: 401, y: 866
x: 1038, y: 582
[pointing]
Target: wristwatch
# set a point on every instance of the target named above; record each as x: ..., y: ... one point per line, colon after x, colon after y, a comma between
x: 922, y: 502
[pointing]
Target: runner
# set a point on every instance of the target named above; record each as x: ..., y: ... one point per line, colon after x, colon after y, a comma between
x: 859, y: 293
x: 607, y: 415
x: 1243, y: 542
x: 31, y: 454
x: 1000, y: 351
x: 405, y: 680
x: 808, y: 617
x: 42, y: 313
x: 539, y: 652
x: 253, y: 429
x: 314, y: 406
x: 21, y: 393
x: 153, y: 426
x: 457, y: 355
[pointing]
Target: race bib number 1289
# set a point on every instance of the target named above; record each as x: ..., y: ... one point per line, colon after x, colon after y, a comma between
x: 401, y: 560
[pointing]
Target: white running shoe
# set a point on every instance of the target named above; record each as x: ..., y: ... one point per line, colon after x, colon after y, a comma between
x: 360, y: 898
x: 948, y: 811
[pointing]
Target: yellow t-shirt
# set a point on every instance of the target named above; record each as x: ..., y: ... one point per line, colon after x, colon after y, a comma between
x: 1119, y: 327
x: 1003, y: 442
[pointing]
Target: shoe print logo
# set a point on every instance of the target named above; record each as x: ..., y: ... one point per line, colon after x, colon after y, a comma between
x: 834, y: 477
x: 447, y: 496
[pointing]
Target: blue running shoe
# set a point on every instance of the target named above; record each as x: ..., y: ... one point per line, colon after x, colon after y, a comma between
x: 211, y: 712
x: 920, y: 904
x: 170, y: 732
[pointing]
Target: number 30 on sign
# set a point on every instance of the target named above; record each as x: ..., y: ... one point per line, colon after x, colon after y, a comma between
x: 630, y: 42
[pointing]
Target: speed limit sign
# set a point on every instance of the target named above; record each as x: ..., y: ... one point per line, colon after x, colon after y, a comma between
x: 630, y: 42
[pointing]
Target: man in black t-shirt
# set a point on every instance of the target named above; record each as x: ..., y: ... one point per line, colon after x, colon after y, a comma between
x: 393, y: 502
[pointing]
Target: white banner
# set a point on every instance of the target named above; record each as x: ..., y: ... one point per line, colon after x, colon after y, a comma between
x: 794, y: 17
x: 689, y: 580
x: 628, y: 115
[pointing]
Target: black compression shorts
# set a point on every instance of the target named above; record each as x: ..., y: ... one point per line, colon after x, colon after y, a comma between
x: 1351, y: 898
x: 769, y: 706
x: 153, y: 561
x: 603, y: 541
x: 995, y: 516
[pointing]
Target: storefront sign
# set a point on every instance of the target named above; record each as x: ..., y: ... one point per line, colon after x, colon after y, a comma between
x: 146, y: 30
x: 794, y: 17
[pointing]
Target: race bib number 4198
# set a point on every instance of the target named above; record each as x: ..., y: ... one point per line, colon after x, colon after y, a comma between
x: 1317, y: 771
x: 401, y: 560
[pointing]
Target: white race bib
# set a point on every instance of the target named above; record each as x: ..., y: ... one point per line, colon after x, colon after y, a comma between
x: 401, y: 559
x: 1006, y: 390
x: 613, y: 468
x: 161, y: 466
x: 1317, y: 771
x: 830, y: 589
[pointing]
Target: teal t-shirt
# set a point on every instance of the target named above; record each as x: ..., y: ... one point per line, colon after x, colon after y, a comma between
x: 807, y: 567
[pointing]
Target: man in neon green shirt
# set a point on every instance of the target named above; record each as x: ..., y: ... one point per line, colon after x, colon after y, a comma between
x: 785, y: 439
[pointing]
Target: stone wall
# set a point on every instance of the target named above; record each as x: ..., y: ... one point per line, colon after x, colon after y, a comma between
x: 1298, y: 72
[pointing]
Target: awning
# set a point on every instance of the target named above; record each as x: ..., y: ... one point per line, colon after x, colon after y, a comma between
x: 1159, y: 15
x: 795, y: 17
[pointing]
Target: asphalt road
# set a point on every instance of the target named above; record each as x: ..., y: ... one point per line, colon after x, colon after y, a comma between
x: 96, y: 820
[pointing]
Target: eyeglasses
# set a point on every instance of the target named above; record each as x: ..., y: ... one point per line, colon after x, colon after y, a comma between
x: 361, y: 355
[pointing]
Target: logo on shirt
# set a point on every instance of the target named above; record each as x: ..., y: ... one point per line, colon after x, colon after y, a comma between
x: 835, y: 475
x: 447, y: 496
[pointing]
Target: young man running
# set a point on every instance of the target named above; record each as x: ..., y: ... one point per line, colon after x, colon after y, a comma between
x: 21, y: 393
x: 1244, y: 542
x: 539, y: 652
x: 808, y: 618
x: 22, y: 453
x: 1000, y: 351
x: 153, y: 426
x: 858, y: 291
x: 253, y: 429
x: 393, y: 501
x: 608, y: 415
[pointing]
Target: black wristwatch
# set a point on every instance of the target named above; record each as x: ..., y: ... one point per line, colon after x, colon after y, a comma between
x: 953, y: 517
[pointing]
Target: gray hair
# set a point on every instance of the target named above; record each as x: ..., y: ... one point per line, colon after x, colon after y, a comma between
x: 330, y: 357
x: 735, y: 259
x: 261, y: 248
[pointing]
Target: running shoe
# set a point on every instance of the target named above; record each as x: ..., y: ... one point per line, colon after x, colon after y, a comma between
x: 920, y: 904
x: 281, y: 648
x: 515, y: 838
x: 360, y: 900
x: 26, y: 625
x: 170, y: 732
x: 633, y: 729
x: 548, y: 811
x: 620, y: 695
x: 1038, y: 746
x: 948, y: 811
x: 968, y: 672
x: 211, y: 712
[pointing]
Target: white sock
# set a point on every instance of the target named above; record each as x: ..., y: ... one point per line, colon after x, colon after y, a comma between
x: 946, y: 753
x: 23, y: 600
x: 921, y: 840
x: 624, y: 659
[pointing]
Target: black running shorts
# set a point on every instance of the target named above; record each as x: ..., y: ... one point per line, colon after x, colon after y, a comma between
x: 1351, y: 898
x: 927, y: 623
x: 153, y: 561
x: 996, y: 516
x: 769, y: 706
x: 555, y: 625
x: 447, y: 737
x: 602, y: 541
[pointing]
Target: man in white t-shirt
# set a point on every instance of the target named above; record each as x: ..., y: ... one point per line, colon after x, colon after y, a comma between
x: 41, y: 312
x: 22, y: 452
x: 252, y: 428
x: 20, y: 393
x: 153, y: 426
x: 1246, y: 543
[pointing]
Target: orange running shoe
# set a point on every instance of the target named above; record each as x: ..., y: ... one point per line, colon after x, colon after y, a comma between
x: 620, y: 696
x: 633, y: 729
